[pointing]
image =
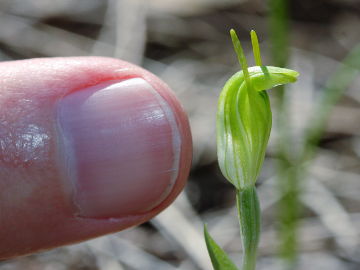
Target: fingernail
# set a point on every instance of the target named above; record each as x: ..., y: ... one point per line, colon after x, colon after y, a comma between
x: 119, y: 145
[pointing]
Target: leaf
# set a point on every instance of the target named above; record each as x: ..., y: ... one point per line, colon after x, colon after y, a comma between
x: 219, y: 258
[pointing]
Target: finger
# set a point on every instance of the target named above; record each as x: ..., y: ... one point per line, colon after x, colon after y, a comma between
x: 88, y: 146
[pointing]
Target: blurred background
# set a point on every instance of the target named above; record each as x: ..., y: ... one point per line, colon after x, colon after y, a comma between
x: 310, y: 184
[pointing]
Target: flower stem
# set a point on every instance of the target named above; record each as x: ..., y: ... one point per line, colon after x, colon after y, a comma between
x: 249, y: 218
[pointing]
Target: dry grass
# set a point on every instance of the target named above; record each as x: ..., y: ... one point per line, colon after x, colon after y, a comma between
x: 186, y: 44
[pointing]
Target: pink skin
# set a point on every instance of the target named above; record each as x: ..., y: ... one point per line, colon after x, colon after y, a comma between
x: 35, y: 212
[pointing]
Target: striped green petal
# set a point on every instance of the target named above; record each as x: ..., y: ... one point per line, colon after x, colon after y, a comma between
x: 244, y: 122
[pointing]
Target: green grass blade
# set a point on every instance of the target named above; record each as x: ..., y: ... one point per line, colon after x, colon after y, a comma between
x: 279, y: 31
x: 219, y: 258
x: 334, y: 89
x: 289, y: 209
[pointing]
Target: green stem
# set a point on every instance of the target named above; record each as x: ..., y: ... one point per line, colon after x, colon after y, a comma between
x: 249, y: 218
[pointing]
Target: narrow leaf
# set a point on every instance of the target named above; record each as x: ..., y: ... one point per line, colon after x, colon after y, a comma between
x: 219, y: 258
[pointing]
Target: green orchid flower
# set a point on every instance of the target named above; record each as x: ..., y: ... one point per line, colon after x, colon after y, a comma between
x: 244, y: 122
x: 244, y: 118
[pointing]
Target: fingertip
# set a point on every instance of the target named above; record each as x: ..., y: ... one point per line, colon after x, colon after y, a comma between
x: 120, y: 148
x: 108, y: 125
